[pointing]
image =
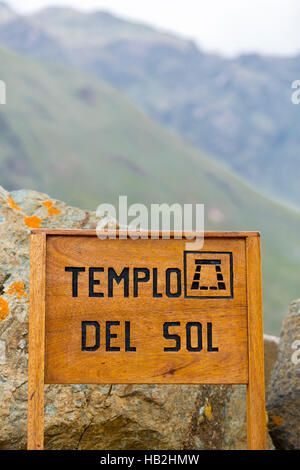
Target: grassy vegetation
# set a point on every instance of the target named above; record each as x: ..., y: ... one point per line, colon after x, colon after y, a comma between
x: 76, y: 138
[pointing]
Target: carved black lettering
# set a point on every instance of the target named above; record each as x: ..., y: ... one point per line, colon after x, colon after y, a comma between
x: 84, y: 326
x: 137, y: 279
x: 155, y: 293
x: 176, y: 271
x: 210, y: 347
x: 110, y: 335
x: 128, y: 347
x: 113, y: 276
x: 94, y: 282
x: 75, y: 272
x: 168, y: 336
x: 189, y: 346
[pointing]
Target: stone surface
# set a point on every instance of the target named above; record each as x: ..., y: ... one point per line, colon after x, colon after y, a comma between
x: 283, y: 402
x: 271, y: 346
x: 85, y: 416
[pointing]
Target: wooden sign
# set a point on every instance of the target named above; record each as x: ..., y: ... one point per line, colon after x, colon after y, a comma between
x: 145, y: 311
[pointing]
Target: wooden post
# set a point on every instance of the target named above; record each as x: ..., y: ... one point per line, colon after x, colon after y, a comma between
x: 256, y: 414
x: 36, y: 342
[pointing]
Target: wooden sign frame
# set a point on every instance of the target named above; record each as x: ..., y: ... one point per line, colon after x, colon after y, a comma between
x: 256, y: 416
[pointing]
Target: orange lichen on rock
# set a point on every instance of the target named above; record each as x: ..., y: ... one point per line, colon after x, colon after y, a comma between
x: 51, y: 210
x: 208, y: 413
x: 13, y: 204
x: 33, y: 221
x: 18, y: 289
x: 47, y: 203
x: 277, y: 421
x: 4, y: 310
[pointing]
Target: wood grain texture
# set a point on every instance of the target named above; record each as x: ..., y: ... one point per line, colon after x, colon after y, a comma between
x: 118, y: 233
x: 256, y: 414
x: 150, y: 363
x: 36, y: 342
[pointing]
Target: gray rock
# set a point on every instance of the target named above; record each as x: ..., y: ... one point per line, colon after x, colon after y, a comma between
x: 283, y: 403
x: 271, y: 346
x: 85, y: 416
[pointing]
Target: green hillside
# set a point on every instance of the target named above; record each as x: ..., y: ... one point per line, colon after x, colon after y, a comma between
x: 74, y: 137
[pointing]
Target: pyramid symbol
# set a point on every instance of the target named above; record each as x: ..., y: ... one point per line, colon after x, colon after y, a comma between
x: 196, y: 285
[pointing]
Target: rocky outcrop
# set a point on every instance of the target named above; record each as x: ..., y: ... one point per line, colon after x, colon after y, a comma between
x: 283, y: 403
x: 271, y: 346
x: 85, y: 416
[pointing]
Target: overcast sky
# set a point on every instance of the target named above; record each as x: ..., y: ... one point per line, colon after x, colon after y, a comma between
x: 227, y: 26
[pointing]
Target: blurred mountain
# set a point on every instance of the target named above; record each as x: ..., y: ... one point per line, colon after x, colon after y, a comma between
x: 20, y: 34
x: 6, y: 13
x: 239, y: 110
x: 76, y: 138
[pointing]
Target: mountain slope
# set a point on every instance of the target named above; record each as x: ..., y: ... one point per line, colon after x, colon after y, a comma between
x: 79, y: 140
x: 239, y: 110
x: 19, y: 33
